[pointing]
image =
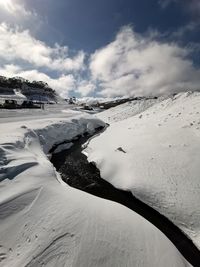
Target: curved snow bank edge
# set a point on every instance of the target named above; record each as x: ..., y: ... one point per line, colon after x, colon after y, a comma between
x: 22, y: 147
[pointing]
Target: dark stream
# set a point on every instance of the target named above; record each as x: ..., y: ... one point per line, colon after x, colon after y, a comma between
x: 77, y: 172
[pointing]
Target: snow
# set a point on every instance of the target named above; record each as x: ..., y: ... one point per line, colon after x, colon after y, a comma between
x: 94, y: 100
x: 156, y: 155
x: 127, y: 110
x: 44, y: 222
x: 16, y: 95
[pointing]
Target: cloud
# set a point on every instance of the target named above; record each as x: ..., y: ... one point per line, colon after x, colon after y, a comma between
x: 85, y: 88
x: 192, y: 6
x: 23, y: 55
x: 15, y: 8
x: 132, y: 64
x: 184, y: 30
x: 63, y: 84
x: 137, y: 65
x: 21, y: 45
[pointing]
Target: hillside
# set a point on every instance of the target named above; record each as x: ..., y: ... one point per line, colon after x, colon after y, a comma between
x: 153, y: 150
x: 36, y: 90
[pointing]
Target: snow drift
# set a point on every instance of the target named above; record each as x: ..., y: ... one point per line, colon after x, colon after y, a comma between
x: 44, y: 222
x: 156, y: 155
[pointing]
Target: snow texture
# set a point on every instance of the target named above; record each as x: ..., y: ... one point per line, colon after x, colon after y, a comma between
x: 44, y: 222
x: 155, y: 154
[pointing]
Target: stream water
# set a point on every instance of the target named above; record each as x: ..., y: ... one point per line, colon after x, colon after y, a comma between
x: 77, y: 172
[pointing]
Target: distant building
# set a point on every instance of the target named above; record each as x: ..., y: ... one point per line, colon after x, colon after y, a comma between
x: 11, y: 94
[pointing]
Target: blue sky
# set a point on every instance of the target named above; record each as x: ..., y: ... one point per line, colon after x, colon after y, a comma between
x: 102, y: 48
x: 91, y: 24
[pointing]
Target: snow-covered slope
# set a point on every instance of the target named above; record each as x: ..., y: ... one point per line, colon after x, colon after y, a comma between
x: 156, y: 155
x: 93, y: 100
x: 44, y: 222
x: 127, y: 110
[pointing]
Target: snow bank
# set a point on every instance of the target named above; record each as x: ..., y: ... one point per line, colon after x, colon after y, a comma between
x: 156, y: 155
x: 44, y: 222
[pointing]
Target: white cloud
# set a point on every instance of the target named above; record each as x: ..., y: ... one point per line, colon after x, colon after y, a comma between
x: 184, y: 30
x: 20, y: 45
x: 23, y: 55
x: 132, y: 64
x: 15, y: 8
x: 85, y: 88
x: 136, y: 65
x: 63, y: 84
